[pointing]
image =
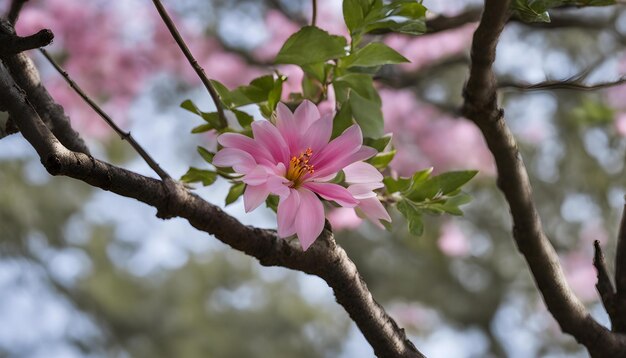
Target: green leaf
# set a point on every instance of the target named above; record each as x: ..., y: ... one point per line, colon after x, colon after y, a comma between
x: 395, y: 185
x: 379, y: 144
x: 231, y: 99
x: 316, y: 70
x: 368, y: 115
x: 234, y: 193
x: 191, y: 107
x: 212, y: 119
x: 311, y: 88
x: 360, y: 83
x: 443, y: 184
x: 343, y: 119
x: 273, y: 97
x: 244, y: 119
x: 202, y: 128
x: 412, y: 215
x: 194, y: 175
x: 205, y: 154
x: 311, y: 45
x: 272, y: 202
x: 451, y: 206
x: 382, y: 160
x: 374, y: 54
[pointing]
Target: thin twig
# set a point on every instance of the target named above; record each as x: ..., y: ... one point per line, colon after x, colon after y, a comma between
x: 124, y: 135
x: 561, y: 85
x: 192, y: 61
x: 314, y: 16
x: 14, y: 10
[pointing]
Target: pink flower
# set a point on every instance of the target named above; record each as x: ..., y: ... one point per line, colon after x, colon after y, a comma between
x: 295, y: 160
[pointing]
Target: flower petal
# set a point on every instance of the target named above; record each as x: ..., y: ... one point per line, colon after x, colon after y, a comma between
x: 309, y: 219
x: 287, y: 209
x: 374, y: 210
x: 330, y: 158
x: 364, y: 190
x: 305, y: 115
x: 241, y: 161
x: 318, y: 134
x: 287, y: 126
x: 247, y: 144
x: 361, y: 172
x: 270, y: 138
x: 276, y: 185
x: 335, y: 192
x: 256, y: 176
x: 254, y: 196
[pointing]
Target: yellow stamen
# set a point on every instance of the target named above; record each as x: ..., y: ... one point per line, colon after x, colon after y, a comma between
x: 299, y: 166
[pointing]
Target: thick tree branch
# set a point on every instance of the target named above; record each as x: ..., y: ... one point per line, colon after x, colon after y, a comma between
x: 11, y: 44
x: 123, y: 134
x: 192, y: 61
x: 324, y: 259
x: 481, y: 107
x: 27, y: 78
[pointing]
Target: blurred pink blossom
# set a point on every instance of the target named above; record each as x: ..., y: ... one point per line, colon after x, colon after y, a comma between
x: 581, y: 274
x: 452, y: 241
x: 343, y: 219
x: 425, y: 50
x: 425, y: 137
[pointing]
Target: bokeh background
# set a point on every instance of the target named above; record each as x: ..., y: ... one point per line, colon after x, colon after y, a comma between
x: 84, y: 273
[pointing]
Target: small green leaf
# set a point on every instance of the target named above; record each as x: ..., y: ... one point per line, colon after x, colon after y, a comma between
x: 382, y: 160
x: 212, y: 119
x: 244, y: 119
x: 443, y: 184
x: 451, y: 206
x: 374, y: 54
x: 191, y: 107
x: 316, y: 70
x: 412, y: 215
x: 273, y: 97
x: 342, y: 120
x: 395, y: 185
x: 272, y: 202
x: 205, y: 154
x: 379, y: 144
x: 202, y: 128
x: 311, y: 88
x: 194, y: 175
x: 311, y: 45
x: 234, y: 193
x: 360, y: 83
x: 368, y: 115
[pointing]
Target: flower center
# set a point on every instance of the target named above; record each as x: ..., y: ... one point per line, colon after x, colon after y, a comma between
x: 299, y: 166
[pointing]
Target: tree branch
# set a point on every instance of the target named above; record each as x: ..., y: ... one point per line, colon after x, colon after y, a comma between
x: 192, y: 61
x: 14, y: 10
x: 481, y: 107
x: 569, y: 84
x: 604, y: 285
x: 324, y: 258
x: 443, y: 23
x: 11, y: 44
x: 27, y: 78
x: 123, y: 134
